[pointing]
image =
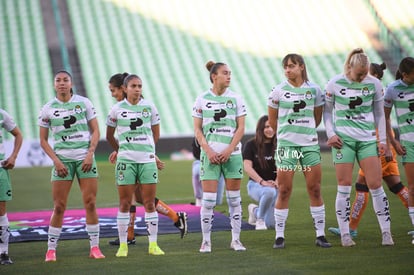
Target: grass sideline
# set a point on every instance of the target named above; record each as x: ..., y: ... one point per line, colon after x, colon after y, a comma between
x: 31, y: 191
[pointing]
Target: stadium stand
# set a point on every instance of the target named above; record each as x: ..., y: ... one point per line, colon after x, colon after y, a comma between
x: 168, y: 45
x: 25, y: 74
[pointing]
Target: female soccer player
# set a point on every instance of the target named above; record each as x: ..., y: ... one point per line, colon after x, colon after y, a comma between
x: 219, y: 119
x: 138, y: 126
x: 72, y: 120
x: 355, y: 99
x: 400, y: 94
x: 7, y: 123
x: 295, y: 110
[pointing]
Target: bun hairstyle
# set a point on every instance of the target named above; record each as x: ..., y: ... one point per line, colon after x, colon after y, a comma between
x: 117, y: 80
x: 212, y: 67
x: 356, y: 57
x: 377, y: 70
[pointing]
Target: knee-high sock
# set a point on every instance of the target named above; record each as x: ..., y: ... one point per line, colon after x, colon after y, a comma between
x: 235, y: 210
x: 53, y: 235
x: 318, y: 216
x: 281, y: 216
x: 343, y: 208
x: 381, y: 208
x: 122, y: 221
x: 93, y: 232
x: 359, y: 205
x: 207, y: 214
x: 4, y: 234
x: 151, y: 220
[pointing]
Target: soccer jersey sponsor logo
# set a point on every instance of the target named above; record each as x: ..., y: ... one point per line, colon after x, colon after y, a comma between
x: 354, y: 101
x: 298, y: 105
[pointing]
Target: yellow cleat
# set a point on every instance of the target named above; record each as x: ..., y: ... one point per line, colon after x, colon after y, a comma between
x: 122, y: 250
x: 154, y: 249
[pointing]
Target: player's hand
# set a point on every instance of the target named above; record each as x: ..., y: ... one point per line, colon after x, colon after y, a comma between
x: 112, y: 157
x: 160, y: 164
x: 399, y: 148
x: 388, y: 154
x: 60, y: 169
x: 335, y: 142
x: 382, y: 148
x: 8, y: 163
x: 87, y: 163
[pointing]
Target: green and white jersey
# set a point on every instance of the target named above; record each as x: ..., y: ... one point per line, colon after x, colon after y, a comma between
x: 353, y: 106
x: 133, y: 123
x: 219, y: 114
x: 401, y: 96
x: 296, y: 122
x: 68, y: 122
x: 7, y: 123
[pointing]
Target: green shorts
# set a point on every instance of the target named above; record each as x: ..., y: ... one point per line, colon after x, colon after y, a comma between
x: 232, y: 169
x: 75, y: 168
x: 355, y: 149
x: 409, y: 148
x: 5, y: 185
x: 131, y: 173
x: 297, y: 158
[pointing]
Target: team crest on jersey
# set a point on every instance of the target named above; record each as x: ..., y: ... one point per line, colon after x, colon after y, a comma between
x: 229, y: 104
x: 339, y: 154
x: 365, y: 91
x: 308, y: 95
x: 121, y: 176
x: 78, y: 109
x: 145, y: 113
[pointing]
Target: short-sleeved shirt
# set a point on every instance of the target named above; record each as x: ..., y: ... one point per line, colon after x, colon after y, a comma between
x: 134, y: 127
x: 401, y: 95
x: 353, y: 105
x: 68, y: 122
x: 219, y: 115
x: 250, y: 153
x: 7, y: 123
x: 296, y: 122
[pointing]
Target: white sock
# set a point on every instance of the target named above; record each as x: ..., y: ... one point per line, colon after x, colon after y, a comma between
x: 93, y: 232
x: 4, y: 234
x: 281, y: 216
x: 235, y: 210
x: 151, y: 220
x: 207, y: 214
x: 411, y: 214
x: 343, y: 208
x: 318, y: 216
x: 53, y: 235
x: 122, y: 221
x: 381, y: 208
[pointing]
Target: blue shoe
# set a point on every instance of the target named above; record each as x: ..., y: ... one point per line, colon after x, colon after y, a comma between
x: 337, y: 232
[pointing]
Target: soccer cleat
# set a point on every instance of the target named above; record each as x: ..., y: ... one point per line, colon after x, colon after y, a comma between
x: 260, y: 224
x: 5, y: 259
x: 347, y: 241
x: 154, y: 249
x: 236, y: 245
x: 96, y: 253
x: 387, y: 239
x: 252, y: 216
x: 205, y: 247
x: 279, y: 243
x: 116, y: 242
x: 50, y: 256
x: 335, y: 231
x: 322, y: 242
x: 181, y: 224
x: 122, y: 250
